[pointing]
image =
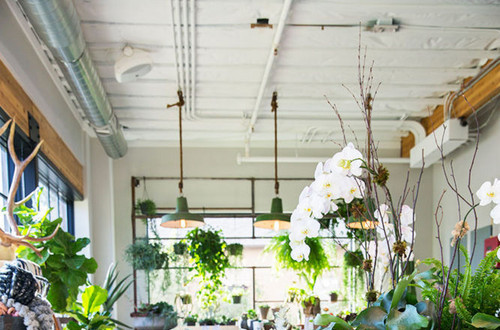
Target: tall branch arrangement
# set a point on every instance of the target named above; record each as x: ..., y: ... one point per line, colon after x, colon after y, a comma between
x: 14, y: 237
x: 351, y: 188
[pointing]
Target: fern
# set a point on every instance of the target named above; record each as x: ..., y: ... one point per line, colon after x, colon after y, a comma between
x: 483, y: 271
x: 466, y: 280
x: 462, y: 311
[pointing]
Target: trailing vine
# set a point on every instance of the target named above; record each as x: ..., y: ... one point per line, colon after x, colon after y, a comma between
x: 209, y: 263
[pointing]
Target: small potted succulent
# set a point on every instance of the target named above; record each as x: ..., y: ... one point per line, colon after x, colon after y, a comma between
x: 191, y: 319
x: 334, y: 296
x: 264, y: 310
x: 208, y: 321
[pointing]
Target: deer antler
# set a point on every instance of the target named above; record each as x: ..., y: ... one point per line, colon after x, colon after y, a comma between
x: 8, y: 239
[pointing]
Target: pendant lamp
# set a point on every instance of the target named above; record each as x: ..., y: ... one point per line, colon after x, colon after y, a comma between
x: 181, y: 218
x: 276, y: 220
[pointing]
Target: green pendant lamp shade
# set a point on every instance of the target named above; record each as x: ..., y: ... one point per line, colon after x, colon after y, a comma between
x: 275, y: 220
x: 182, y: 218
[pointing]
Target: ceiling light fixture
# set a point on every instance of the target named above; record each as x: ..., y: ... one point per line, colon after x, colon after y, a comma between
x: 133, y: 64
x: 181, y: 218
x: 276, y: 220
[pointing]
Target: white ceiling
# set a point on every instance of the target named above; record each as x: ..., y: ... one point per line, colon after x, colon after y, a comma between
x: 439, y: 43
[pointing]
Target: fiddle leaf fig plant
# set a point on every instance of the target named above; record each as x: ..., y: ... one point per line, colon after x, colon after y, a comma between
x: 61, y: 260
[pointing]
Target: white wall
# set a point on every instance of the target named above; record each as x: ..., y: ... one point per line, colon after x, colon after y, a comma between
x: 218, y: 163
x: 486, y: 168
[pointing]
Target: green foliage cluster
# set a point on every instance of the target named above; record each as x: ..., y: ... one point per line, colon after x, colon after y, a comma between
x: 90, y: 314
x: 62, y: 262
x: 252, y: 314
x: 191, y: 319
x: 145, y: 255
x: 160, y: 310
x: 396, y: 309
x: 207, y: 251
x: 353, y: 258
x: 147, y: 207
x: 180, y: 248
x: 235, y: 249
x: 309, y: 270
x: 477, y: 293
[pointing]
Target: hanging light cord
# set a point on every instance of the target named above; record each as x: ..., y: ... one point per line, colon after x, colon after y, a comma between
x: 274, y: 108
x: 180, y: 104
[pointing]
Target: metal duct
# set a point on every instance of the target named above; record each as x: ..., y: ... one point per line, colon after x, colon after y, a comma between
x: 57, y: 24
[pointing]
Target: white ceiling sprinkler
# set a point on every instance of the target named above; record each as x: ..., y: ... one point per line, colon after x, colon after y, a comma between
x: 133, y: 64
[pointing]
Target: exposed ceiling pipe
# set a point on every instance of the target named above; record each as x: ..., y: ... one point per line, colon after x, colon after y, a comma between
x: 241, y: 159
x: 269, y: 65
x: 57, y: 24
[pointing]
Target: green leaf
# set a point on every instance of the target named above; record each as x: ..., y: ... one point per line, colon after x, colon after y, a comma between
x: 481, y: 320
x: 330, y: 322
x: 89, y: 266
x: 400, y: 290
x: 72, y: 325
x: 75, y: 262
x: 409, y: 319
x: 57, y: 295
x: 92, y: 299
x: 80, y: 244
x: 371, y: 318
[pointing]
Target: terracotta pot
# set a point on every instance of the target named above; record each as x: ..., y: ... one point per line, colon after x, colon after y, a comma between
x: 263, y: 312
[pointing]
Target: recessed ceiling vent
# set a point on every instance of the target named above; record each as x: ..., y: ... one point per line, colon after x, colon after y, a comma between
x: 133, y: 64
x: 385, y: 25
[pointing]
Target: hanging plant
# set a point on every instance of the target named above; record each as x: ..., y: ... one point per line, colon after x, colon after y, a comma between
x: 147, y: 256
x: 147, y: 207
x: 235, y: 249
x: 353, y: 258
x: 309, y: 270
x: 180, y: 248
x: 207, y: 250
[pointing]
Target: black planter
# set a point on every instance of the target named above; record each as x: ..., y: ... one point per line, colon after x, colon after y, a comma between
x: 8, y: 322
x: 334, y: 297
x: 236, y: 299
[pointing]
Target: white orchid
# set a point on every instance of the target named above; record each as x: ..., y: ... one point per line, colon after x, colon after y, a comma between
x: 352, y: 188
x: 495, y: 214
x: 301, y: 252
x: 346, y: 162
x: 488, y: 193
x: 382, y: 214
x: 296, y: 239
x: 406, y: 216
x: 407, y: 234
x: 307, y: 228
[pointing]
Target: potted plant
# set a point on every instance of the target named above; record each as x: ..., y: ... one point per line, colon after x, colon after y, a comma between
x: 311, y: 306
x: 264, y: 310
x: 180, y: 248
x: 147, y: 207
x: 295, y: 295
x: 237, y: 293
x: 252, y: 317
x: 158, y: 316
x: 235, y: 249
x: 191, y: 320
x: 227, y: 320
x: 353, y: 258
x: 208, y: 321
x: 268, y: 325
x: 145, y: 255
x: 334, y: 296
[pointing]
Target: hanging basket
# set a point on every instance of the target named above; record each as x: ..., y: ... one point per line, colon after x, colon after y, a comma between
x: 236, y: 299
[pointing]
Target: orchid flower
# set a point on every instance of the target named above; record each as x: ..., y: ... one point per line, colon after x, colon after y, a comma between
x: 301, y: 252
x: 406, y: 216
x: 495, y: 214
x: 488, y: 193
x: 346, y: 162
x: 306, y: 228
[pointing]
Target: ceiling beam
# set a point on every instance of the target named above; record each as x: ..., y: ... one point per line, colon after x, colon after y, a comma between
x: 475, y: 92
